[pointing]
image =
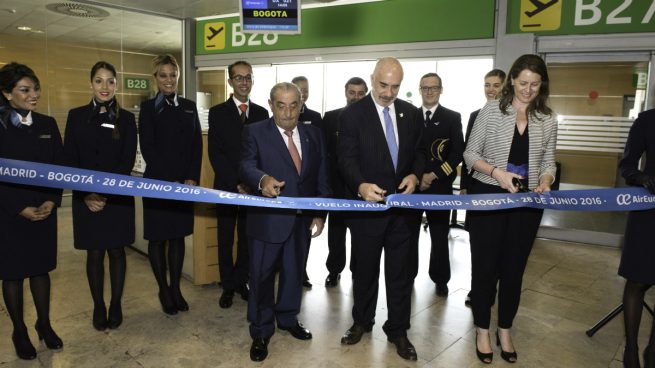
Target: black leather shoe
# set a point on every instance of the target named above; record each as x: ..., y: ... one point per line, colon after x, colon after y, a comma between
x: 332, y: 280
x: 404, y: 348
x: 354, y: 334
x: 298, y: 331
x: 47, y: 334
x: 24, y: 348
x: 244, y: 292
x: 259, y: 349
x: 100, y: 318
x: 225, y: 300
x: 115, y: 316
x: 307, y: 284
x: 442, y: 289
x: 167, y: 304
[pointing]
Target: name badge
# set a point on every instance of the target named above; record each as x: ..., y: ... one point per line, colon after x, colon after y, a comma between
x: 45, y: 136
x: 107, y: 125
x: 189, y: 111
x: 307, y: 122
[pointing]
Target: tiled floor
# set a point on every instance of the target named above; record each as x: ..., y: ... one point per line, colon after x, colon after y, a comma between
x: 567, y: 288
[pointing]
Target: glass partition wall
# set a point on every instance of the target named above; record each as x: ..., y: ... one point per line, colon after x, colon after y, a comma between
x: 596, y: 103
x: 61, y: 41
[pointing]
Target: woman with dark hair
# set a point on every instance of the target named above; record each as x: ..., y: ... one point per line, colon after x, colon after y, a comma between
x: 511, y: 149
x: 171, y: 144
x: 493, y: 84
x: 638, y: 252
x: 28, y: 214
x: 102, y: 136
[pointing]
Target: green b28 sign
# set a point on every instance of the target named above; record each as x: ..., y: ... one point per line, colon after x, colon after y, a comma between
x: 136, y: 83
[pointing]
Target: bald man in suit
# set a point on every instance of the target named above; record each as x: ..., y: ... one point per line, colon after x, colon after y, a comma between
x: 379, y: 154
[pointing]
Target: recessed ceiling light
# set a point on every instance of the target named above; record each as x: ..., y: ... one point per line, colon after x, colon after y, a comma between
x: 37, y: 31
x: 24, y: 28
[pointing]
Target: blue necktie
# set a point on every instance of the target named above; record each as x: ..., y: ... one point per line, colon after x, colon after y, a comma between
x: 391, y: 137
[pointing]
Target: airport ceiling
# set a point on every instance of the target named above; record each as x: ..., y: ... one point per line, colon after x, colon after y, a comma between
x: 150, y: 26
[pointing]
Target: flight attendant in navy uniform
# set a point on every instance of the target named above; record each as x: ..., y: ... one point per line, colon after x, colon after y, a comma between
x: 171, y: 145
x: 102, y: 136
x: 28, y: 214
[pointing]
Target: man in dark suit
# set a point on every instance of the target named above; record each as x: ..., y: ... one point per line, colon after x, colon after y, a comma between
x: 356, y: 89
x: 280, y: 157
x: 307, y: 117
x: 226, y: 121
x: 443, y: 142
x: 379, y: 154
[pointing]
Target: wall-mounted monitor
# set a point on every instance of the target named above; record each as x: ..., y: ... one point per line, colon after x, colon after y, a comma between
x: 270, y: 16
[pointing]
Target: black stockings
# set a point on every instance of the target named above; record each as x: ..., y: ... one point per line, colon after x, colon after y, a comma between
x: 633, y: 298
x: 157, y: 255
x: 12, y: 292
x: 95, y: 271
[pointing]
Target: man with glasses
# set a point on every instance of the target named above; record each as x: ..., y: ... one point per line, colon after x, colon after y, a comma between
x: 443, y: 141
x: 226, y: 121
x: 356, y: 89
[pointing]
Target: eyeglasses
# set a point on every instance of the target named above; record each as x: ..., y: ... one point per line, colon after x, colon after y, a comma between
x: 434, y: 89
x: 241, y: 78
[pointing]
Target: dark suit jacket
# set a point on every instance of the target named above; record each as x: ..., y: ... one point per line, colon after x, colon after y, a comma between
x: 171, y: 141
x: 443, y: 142
x: 28, y: 248
x: 224, y: 141
x: 465, y: 181
x: 310, y: 117
x: 89, y: 145
x: 331, y: 125
x: 264, y: 152
x: 364, y: 157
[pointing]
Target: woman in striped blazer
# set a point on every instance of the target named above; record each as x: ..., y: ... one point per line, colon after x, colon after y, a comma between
x: 511, y: 149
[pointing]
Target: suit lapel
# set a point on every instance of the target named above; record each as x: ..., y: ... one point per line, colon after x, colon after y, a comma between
x: 234, y: 110
x: 402, y: 121
x: 375, y: 128
x: 305, y: 148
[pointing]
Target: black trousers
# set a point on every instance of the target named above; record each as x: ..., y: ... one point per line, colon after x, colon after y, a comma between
x: 336, y: 260
x: 501, y: 242
x: 234, y: 275
x: 392, y: 236
x: 438, y: 223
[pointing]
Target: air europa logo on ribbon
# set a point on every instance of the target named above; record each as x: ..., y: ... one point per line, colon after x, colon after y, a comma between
x: 53, y: 176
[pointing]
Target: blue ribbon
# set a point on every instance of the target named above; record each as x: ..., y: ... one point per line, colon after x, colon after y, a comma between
x: 62, y: 177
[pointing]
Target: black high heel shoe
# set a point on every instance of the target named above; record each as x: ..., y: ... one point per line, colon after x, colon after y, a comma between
x: 52, y: 341
x: 167, y: 304
x: 100, y: 318
x: 180, y: 303
x: 649, y: 359
x: 115, y: 316
x: 24, y: 348
x: 485, y: 358
x: 507, y: 356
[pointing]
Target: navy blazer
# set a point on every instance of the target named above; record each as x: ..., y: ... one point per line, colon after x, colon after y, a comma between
x: 443, y: 143
x: 331, y: 130
x: 264, y: 152
x: 224, y: 141
x: 171, y: 141
x: 310, y: 117
x: 362, y: 150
